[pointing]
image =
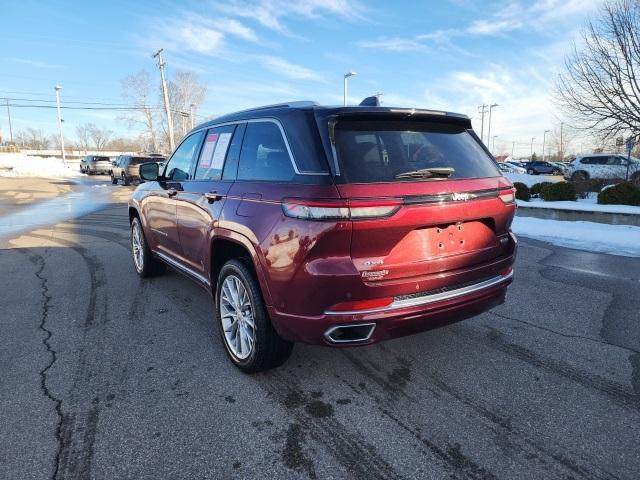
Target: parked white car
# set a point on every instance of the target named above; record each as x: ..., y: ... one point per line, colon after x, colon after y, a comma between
x: 512, y: 167
x: 602, y: 166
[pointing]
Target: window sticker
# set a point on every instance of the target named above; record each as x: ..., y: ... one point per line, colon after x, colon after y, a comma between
x: 221, y: 151
x: 207, y: 150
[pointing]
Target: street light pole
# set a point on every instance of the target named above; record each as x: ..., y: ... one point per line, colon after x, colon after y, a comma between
x: 165, y: 94
x: 561, y: 144
x: 491, y: 107
x: 191, y: 107
x: 544, y: 138
x: 9, y: 116
x: 57, y: 89
x: 493, y: 144
x: 344, y: 89
x: 531, y: 157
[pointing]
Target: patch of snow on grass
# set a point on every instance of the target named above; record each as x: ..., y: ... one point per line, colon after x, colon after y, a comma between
x: 623, y: 240
x: 583, y: 205
x: 20, y: 165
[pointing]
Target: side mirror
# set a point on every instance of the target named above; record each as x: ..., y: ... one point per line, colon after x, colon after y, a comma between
x: 149, y: 172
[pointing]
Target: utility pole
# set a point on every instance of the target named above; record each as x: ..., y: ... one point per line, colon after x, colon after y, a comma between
x: 493, y: 144
x: 491, y: 107
x: 9, y: 116
x: 57, y: 89
x: 531, y: 157
x: 482, y: 111
x: 165, y: 94
x: 191, y: 107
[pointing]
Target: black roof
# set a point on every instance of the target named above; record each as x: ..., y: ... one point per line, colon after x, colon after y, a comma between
x: 277, y: 110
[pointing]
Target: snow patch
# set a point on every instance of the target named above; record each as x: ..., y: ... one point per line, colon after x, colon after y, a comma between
x: 21, y: 165
x: 530, y: 180
x: 623, y: 240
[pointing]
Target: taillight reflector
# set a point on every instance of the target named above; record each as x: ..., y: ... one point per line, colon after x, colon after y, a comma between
x: 361, y: 305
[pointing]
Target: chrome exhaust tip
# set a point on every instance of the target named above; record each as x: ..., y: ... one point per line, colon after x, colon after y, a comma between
x: 353, y: 333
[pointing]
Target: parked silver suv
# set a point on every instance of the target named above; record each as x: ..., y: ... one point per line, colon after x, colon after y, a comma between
x: 603, y: 166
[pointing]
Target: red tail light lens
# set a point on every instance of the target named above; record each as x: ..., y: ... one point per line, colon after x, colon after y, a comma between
x: 340, y: 209
x: 508, y: 196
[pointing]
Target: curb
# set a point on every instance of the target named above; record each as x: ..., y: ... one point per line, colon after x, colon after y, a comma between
x: 579, y: 216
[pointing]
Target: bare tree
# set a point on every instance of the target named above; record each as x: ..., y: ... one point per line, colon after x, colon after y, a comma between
x: 600, y: 88
x: 34, y: 139
x: 83, y: 136
x: 185, y: 90
x: 139, y: 91
x: 99, y: 136
x: 560, y: 141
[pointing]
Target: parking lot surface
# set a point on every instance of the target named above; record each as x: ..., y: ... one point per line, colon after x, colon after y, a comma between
x: 106, y: 375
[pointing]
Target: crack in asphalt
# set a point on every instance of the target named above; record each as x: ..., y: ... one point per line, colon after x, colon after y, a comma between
x: 567, y: 335
x: 40, y: 263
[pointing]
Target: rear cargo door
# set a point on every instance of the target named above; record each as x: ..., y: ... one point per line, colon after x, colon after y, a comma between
x: 447, y: 188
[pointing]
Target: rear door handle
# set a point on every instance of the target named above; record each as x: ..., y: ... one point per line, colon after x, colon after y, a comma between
x: 212, y: 196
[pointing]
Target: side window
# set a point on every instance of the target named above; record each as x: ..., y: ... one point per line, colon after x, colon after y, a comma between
x: 587, y: 161
x: 214, y: 152
x: 179, y: 165
x: 264, y: 154
x: 613, y: 160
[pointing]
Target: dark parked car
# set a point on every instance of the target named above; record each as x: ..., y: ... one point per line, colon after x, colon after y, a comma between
x: 95, y: 164
x: 335, y: 226
x: 539, y: 167
x: 126, y: 168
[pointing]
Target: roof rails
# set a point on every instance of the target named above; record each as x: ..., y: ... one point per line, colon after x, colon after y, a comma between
x: 298, y: 104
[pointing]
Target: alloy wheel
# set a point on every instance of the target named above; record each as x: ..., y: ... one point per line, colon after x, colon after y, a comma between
x: 137, y: 246
x: 237, y: 317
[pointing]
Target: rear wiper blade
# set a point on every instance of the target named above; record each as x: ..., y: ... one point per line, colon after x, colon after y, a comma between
x: 435, y: 172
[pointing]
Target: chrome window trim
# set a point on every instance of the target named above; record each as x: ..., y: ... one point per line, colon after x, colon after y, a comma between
x: 427, y: 299
x: 282, y: 132
x: 182, y: 268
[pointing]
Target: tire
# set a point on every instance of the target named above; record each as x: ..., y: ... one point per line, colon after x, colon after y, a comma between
x: 530, y: 171
x: 146, y: 265
x: 267, y: 349
x: 579, y: 176
x: 114, y: 180
x: 125, y: 180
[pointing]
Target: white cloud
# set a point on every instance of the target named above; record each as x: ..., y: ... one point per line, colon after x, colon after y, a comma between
x: 33, y: 63
x: 394, y: 45
x: 271, y: 13
x: 288, y: 69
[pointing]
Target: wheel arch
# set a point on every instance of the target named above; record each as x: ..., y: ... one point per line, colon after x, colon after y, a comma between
x: 228, y: 245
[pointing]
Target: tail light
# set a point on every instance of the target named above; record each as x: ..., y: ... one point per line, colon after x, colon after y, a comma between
x: 508, y: 196
x: 340, y: 209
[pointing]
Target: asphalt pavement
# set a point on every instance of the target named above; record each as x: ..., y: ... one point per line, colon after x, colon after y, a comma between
x: 105, y: 375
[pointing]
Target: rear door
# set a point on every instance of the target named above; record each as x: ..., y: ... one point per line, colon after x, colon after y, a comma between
x: 445, y: 187
x: 200, y: 200
x: 160, y: 206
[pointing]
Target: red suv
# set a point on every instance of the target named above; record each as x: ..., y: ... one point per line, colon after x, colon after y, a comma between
x: 337, y: 226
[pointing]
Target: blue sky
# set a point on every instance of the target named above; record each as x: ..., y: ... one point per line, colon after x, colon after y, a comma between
x: 451, y: 55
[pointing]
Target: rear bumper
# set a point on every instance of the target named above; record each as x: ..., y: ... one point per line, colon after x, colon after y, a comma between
x: 402, y: 317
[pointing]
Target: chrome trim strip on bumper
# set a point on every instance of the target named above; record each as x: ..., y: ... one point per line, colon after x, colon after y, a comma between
x: 436, y: 297
x: 327, y: 334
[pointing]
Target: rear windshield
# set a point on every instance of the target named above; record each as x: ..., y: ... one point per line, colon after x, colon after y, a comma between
x: 139, y: 160
x: 393, y: 151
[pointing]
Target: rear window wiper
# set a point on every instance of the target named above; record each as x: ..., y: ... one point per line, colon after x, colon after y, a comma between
x: 435, y: 172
